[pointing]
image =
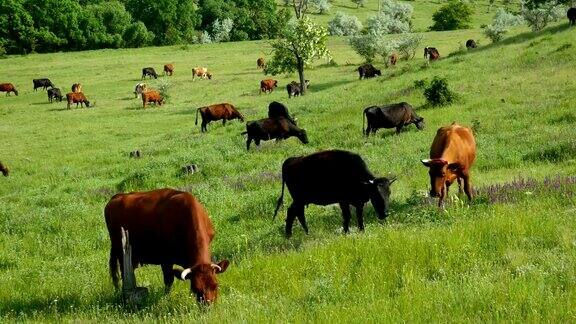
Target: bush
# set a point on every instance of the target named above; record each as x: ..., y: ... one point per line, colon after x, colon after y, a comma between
x: 136, y: 35
x: 221, y: 30
x: 323, y: 6
x: 204, y: 38
x: 438, y: 93
x: 384, y: 24
x: 500, y: 25
x: 397, y: 10
x: 344, y: 25
x: 359, y: 3
x: 537, y: 18
x: 371, y: 44
x: 454, y: 15
x: 408, y: 44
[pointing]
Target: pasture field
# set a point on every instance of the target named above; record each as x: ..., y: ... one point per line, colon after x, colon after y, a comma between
x: 510, y: 256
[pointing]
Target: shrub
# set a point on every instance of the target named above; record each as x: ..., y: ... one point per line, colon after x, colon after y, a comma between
x: 454, y: 15
x: 204, y: 38
x: 371, y: 44
x: 397, y: 10
x: 538, y: 17
x: 438, y: 93
x: 221, y: 30
x: 344, y: 25
x: 384, y: 24
x: 137, y: 35
x: 408, y: 44
x: 323, y: 6
x: 500, y: 24
x: 359, y: 3
x: 164, y: 88
x: 420, y: 84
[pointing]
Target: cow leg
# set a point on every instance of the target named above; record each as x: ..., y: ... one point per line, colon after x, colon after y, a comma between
x: 398, y: 129
x: 302, y: 219
x: 459, y: 186
x: 248, y: 141
x: 360, y: 216
x: 346, y: 214
x: 113, y: 264
x: 291, y: 215
x: 467, y: 186
x: 224, y: 122
x: 203, y: 127
x: 168, y: 275
x: 257, y: 141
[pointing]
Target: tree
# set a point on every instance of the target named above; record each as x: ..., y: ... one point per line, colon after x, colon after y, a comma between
x: 454, y: 15
x: 538, y: 14
x: 303, y: 42
x: 344, y: 25
x: 500, y: 24
x: 137, y: 35
x: 16, y: 27
x: 323, y: 6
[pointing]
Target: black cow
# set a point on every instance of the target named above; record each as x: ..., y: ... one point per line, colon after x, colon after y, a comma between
x: 471, y: 44
x: 54, y: 93
x: 42, y: 83
x: 395, y: 115
x: 571, y: 14
x: 272, y: 128
x: 277, y: 110
x: 332, y: 177
x: 149, y: 71
x: 295, y: 89
x: 368, y: 71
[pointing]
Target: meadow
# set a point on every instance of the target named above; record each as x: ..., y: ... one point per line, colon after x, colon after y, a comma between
x: 509, y: 256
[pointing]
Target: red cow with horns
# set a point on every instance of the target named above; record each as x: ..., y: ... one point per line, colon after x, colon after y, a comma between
x: 165, y: 227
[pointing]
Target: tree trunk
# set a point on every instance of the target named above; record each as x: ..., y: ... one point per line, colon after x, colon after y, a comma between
x: 301, y: 75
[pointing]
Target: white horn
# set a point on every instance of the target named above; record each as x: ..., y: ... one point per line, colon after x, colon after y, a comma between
x: 215, y: 266
x: 184, y: 273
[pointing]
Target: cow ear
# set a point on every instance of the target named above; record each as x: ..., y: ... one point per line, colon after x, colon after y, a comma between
x: 427, y: 162
x: 223, y: 266
x: 454, y: 166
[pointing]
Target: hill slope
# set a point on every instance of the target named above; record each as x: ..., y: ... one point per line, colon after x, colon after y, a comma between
x: 511, y: 261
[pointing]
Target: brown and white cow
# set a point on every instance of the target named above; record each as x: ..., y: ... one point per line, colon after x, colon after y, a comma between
x: 201, y: 72
x: 452, y: 155
x: 431, y: 53
x: 224, y: 111
x: 268, y: 85
x: 77, y: 88
x: 166, y: 227
x: 152, y: 96
x: 168, y: 69
x: 8, y: 87
x: 261, y: 63
x: 77, y: 98
x: 140, y: 87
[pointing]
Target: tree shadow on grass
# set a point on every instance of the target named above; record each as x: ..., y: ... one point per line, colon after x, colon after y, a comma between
x: 327, y: 85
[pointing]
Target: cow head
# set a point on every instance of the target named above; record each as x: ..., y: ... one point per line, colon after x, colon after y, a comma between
x: 379, y: 193
x: 425, y: 51
x: 15, y: 91
x: 202, y: 278
x: 275, y: 83
x: 302, y: 136
x: 209, y: 75
x: 377, y: 72
x: 419, y: 122
x: 87, y: 103
x: 441, y: 173
x: 4, y: 170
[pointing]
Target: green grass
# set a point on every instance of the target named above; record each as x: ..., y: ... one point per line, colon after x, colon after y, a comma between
x: 512, y: 262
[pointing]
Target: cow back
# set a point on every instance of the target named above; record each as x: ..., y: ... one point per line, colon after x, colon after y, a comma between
x: 454, y: 143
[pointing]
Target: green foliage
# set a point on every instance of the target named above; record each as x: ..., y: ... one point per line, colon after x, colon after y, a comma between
x: 344, y: 25
x: 408, y: 44
x: 454, y: 15
x: 539, y: 15
x: 359, y: 3
x: 500, y: 25
x: 137, y: 35
x: 438, y: 93
x: 16, y: 27
x: 323, y: 6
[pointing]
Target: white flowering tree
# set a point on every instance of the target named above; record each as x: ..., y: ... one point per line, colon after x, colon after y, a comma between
x: 302, y: 43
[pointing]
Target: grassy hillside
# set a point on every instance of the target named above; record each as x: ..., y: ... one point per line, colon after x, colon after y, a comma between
x: 509, y: 256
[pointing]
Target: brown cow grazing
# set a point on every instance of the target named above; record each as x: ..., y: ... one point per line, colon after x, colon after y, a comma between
x: 201, y: 72
x: 261, y: 63
x: 77, y: 98
x: 140, y: 87
x: 8, y: 87
x: 224, y: 111
x: 273, y: 128
x: 451, y: 156
x: 393, y: 59
x: 4, y: 169
x: 268, y: 85
x: 77, y: 88
x: 431, y: 53
x: 168, y: 69
x: 152, y: 96
x: 166, y: 227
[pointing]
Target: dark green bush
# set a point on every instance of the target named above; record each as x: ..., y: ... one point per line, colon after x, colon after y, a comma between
x: 438, y: 93
x: 453, y: 15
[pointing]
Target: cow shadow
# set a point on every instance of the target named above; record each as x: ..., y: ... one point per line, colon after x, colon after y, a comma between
x: 327, y: 85
x: 60, y: 109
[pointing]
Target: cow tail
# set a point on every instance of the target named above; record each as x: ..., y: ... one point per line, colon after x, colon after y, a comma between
x: 363, y: 118
x: 197, y: 110
x: 280, y: 199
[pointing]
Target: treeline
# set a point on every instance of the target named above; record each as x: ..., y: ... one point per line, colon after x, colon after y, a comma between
x: 63, y: 25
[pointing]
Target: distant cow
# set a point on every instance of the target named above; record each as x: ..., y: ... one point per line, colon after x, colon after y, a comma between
x: 571, y: 14
x: 332, y: 177
x: 451, y: 156
x: 152, y: 96
x: 272, y: 128
x: 224, y: 111
x: 368, y: 71
x: 76, y: 88
x: 391, y: 116
x: 431, y: 53
x: 140, y: 87
x: 268, y: 85
x: 471, y: 44
x: 294, y: 88
x: 201, y: 72
x: 277, y: 110
x: 393, y: 59
x: 42, y: 83
x: 149, y: 71
x: 8, y: 87
x: 169, y: 69
x: 166, y: 227
x: 4, y: 169
x: 53, y: 94
x: 77, y: 98
x: 261, y: 63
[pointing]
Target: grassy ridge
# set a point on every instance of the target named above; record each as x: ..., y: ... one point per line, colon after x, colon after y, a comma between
x: 486, y: 262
